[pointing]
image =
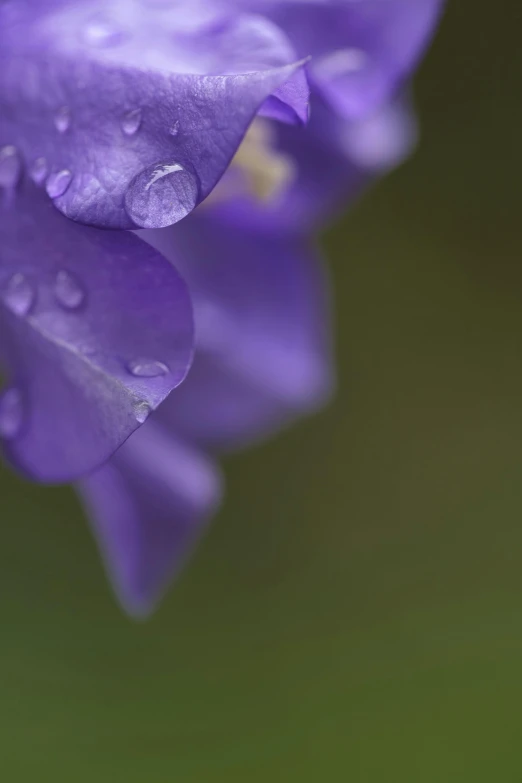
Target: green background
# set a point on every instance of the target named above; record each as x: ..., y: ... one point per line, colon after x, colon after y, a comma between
x: 356, y: 611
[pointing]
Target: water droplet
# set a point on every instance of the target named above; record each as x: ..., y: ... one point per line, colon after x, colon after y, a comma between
x: 58, y: 183
x: 161, y: 195
x: 102, y: 32
x: 142, y: 411
x: 131, y: 122
x: 62, y: 119
x: 38, y: 171
x: 174, y: 130
x: 68, y: 291
x: 10, y: 166
x: 11, y: 413
x: 147, y: 368
x: 19, y: 295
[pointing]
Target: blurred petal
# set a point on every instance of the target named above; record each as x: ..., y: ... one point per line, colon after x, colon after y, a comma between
x: 332, y: 160
x: 144, y: 115
x: 96, y: 329
x: 148, y: 506
x: 361, y: 50
x: 381, y: 140
x: 262, y: 331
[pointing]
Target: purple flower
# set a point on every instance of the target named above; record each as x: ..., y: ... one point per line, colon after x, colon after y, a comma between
x: 126, y: 115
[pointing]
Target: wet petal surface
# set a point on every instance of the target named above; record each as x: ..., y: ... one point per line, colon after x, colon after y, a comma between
x: 133, y: 114
x: 82, y: 312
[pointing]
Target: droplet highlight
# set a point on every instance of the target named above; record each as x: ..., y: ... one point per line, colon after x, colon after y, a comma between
x: 69, y: 292
x: 147, y: 368
x: 62, y: 119
x: 10, y: 166
x: 11, y: 413
x: 131, y: 122
x: 39, y: 170
x: 174, y: 129
x: 58, y: 183
x: 19, y: 295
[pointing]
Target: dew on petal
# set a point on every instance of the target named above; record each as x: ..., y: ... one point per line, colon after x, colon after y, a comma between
x: 19, y: 295
x: 174, y: 130
x: 161, y: 195
x: 142, y: 411
x: 101, y: 32
x: 39, y: 170
x: 58, y: 183
x: 69, y: 292
x: 62, y: 119
x: 131, y: 122
x: 11, y: 413
x: 147, y: 368
x: 10, y: 166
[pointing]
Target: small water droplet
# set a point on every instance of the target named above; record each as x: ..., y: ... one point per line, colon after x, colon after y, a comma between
x: 38, y: 171
x: 142, y: 411
x: 58, y: 183
x: 68, y: 291
x: 147, y: 368
x: 161, y: 195
x: 174, y: 130
x: 62, y: 119
x: 11, y: 413
x: 10, y: 166
x: 102, y: 32
x: 131, y: 122
x: 19, y: 295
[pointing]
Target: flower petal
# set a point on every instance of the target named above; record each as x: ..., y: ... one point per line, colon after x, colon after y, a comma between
x: 148, y: 506
x: 96, y: 329
x: 143, y: 139
x: 290, y: 102
x: 262, y: 331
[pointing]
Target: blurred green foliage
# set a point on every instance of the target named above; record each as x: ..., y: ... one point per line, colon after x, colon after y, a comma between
x: 356, y: 611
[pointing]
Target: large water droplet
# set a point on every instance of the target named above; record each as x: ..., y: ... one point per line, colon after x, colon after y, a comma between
x: 161, y: 195
x: 68, y: 290
x: 142, y: 411
x: 131, y: 122
x: 62, y: 119
x: 102, y: 32
x: 19, y: 295
x: 58, y: 183
x: 174, y: 129
x: 10, y: 166
x: 147, y: 368
x: 11, y: 413
x: 38, y: 171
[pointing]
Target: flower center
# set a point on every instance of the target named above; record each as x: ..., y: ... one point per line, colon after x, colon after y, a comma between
x: 258, y: 170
